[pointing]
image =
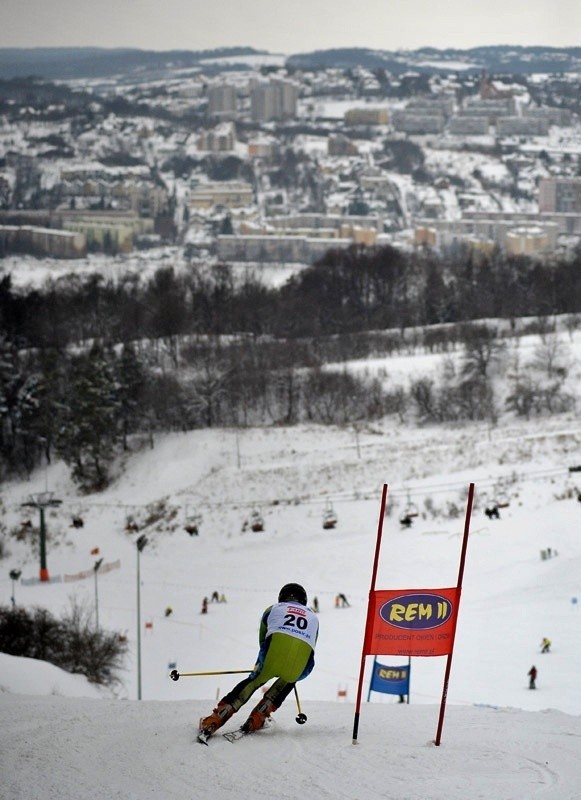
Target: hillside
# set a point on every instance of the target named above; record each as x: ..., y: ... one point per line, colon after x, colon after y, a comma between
x: 504, y: 739
x: 93, y: 62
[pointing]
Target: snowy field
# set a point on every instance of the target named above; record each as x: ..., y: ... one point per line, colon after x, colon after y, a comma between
x: 61, y: 737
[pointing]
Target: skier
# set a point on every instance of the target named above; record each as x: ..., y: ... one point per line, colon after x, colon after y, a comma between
x: 532, y: 673
x: 287, y: 636
x: 545, y: 645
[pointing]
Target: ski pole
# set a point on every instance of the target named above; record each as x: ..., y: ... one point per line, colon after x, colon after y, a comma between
x: 175, y: 675
x: 300, y: 718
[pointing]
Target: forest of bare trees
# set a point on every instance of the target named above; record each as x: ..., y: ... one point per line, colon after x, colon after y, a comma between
x: 87, y: 364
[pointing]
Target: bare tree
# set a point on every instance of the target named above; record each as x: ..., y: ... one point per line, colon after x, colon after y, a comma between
x: 551, y: 356
x: 481, y: 350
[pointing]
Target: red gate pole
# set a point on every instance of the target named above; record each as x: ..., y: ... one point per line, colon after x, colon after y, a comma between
x: 459, y: 588
x: 369, y: 608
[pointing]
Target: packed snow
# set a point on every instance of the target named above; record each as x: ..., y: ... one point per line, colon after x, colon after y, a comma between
x: 63, y: 737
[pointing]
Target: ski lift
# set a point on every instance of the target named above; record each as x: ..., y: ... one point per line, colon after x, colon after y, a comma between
x: 131, y: 526
x: 192, y: 524
x: 329, y: 518
x: 410, y: 512
x: 411, y: 509
x: 256, y: 522
x: 502, y: 500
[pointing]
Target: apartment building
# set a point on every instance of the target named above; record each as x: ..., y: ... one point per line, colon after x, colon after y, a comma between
x: 331, y: 222
x: 527, y: 241
x: 561, y: 195
x: 509, y: 232
x: 271, y: 248
x: 273, y: 100
x: 419, y: 122
x: 113, y: 230
x: 222, y: 102
x: 42, y: 242
x: 230, y: 194
x: 496, y: 105
x: 366, y: 116
x: 522, y: 126
x: 220, y: 139
x: 468, y: 126
x: 566, y: 224
x: 443, y: 104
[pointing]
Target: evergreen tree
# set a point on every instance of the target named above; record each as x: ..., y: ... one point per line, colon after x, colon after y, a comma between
x: 54, y: 369
x: 19, y: 400
x: 131, y: 381
x: 89, y: 435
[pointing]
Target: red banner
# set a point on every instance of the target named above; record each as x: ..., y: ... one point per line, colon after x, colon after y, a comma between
x: 411, y: 622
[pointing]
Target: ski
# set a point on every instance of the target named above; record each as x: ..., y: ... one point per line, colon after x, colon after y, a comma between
x: 233, y: 736
x: 240, y: 733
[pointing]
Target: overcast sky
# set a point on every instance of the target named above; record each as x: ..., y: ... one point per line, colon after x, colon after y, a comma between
x: 288, y: 27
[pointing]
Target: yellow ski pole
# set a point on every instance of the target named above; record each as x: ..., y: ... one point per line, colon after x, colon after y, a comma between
x: 175, y: 675
x: 300, y: 718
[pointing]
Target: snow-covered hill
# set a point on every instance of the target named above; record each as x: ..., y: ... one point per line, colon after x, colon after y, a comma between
x: 500, y: 740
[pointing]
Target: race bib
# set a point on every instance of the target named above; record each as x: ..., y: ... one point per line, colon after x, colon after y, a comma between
x: 294, y: 620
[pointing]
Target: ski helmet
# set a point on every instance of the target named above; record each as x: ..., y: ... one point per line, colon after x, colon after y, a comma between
x: 293, y: 591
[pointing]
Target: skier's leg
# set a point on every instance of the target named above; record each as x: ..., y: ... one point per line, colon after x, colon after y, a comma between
x: 239, y: 695
x: 244, y: 690
x: 273, y: 699
x: 232, y: 701
x: 278, y: 692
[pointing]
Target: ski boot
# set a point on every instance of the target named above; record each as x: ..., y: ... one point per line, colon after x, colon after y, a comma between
x: 220, y: 715
x: 258, y: 716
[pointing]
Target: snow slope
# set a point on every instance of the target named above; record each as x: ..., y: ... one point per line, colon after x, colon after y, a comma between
x: 499, y: 740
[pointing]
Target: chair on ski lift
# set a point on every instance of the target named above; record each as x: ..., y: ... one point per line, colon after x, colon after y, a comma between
x: 256, y: 522
x: 329, y: 518
x: 411, y: 511
x: 192, y: 525
x: 502, y: 500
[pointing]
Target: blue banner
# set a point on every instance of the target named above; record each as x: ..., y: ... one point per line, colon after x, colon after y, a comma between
x: 390, y: 680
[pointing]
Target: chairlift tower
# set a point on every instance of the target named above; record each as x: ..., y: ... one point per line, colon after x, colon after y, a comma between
x: 140, y: 544
x: 14, y: 576
x: 41, y: 501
